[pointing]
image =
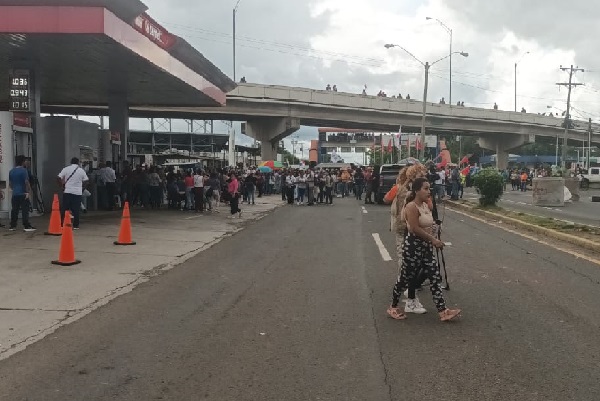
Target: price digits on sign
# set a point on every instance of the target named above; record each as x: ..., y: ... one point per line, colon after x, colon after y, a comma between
x: 20, y: 93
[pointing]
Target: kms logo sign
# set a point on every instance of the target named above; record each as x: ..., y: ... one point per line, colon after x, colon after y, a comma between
x: 153, y: 31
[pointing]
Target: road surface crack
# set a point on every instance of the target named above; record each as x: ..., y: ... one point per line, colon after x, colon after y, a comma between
x: 381, y: 357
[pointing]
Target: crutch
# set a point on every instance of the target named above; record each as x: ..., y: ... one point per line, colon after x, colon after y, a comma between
x: 443, y: 264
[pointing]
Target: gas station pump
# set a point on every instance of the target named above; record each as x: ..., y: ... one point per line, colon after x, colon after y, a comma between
x: 7, y: 161
x: 16, y: 138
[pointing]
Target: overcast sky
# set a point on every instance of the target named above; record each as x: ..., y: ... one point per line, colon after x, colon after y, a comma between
x: 312, y: 43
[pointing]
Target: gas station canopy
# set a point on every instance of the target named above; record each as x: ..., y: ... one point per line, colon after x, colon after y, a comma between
x: 84, y: 51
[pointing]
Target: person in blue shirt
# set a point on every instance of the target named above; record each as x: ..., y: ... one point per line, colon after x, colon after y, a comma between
x: 18, y: 179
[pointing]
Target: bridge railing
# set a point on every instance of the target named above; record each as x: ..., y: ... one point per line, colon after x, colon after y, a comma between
x: 356, y: 101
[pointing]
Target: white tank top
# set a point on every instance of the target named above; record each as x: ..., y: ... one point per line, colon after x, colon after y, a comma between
x: 425, y: 217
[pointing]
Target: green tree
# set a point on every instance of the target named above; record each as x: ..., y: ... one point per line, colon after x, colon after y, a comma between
x: 490, y: 185
x: 289, y: 158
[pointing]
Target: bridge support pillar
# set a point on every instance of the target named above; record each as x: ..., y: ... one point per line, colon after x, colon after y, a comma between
x: 502, y: 144
x: 270, y: 131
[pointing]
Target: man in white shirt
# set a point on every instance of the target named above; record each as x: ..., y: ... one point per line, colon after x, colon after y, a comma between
x: 199, y: 191
x: 72, y: 179
x: 108, y: 175
x: 440, y: 186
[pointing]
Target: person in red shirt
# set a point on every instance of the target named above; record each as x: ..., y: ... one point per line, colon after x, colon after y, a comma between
x: 189, y: 191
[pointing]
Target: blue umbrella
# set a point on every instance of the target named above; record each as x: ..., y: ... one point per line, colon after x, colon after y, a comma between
x: 265, y: 169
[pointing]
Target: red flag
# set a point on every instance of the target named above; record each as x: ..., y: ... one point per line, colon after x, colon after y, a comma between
x: 464, y: 160
x: 390, y: 146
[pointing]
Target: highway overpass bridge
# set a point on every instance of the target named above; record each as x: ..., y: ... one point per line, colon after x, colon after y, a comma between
x: 274, y: 112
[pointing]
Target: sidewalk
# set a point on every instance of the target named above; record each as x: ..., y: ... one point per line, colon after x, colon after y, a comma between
x: 37, y: 297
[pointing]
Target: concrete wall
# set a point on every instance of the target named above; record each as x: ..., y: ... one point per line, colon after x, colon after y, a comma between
x: 549, y: 192
x: 58, y: 140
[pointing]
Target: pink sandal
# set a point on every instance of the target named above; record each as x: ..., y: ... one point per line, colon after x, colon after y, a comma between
x: 396, y: 313
x: 449, y: 314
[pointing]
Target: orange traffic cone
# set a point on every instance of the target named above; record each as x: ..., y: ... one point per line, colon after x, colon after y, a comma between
x: 66, y: 255
x: 125, y: 231
x: 54, y: 227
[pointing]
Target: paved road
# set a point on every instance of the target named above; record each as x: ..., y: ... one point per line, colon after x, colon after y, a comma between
x: 292, y: 308
x: 582, y: 212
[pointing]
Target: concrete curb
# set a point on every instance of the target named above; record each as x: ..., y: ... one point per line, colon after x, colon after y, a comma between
x: 569, y: 238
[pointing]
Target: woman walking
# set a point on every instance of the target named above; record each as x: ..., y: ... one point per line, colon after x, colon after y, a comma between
x: 397, y: 197
x: 417, y: 253
x: 233, y: 188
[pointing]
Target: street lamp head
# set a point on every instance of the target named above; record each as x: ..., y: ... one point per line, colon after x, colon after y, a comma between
x: 428, y: 18
x: 464, y: 54
x: 389, y: 45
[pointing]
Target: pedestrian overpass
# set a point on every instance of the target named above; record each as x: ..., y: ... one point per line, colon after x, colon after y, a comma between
x: 274, y: 112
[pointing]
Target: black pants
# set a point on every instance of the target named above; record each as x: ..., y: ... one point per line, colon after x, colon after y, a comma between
x: 234, y: 203
x: 328, y: 195
x: 72, y: 203
x: 283, y: 193
x: 19, y: 202
x: 417, y: 256
x: 199, y: 198
x: 111, y: 190
x: 290, y: 195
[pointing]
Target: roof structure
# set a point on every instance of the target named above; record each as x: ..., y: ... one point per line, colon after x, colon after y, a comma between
x: 85, y: 50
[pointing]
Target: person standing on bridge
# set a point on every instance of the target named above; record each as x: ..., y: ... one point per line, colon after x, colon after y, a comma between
x: 417, y: 253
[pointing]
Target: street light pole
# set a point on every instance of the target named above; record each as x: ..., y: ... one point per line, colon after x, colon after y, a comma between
x: 234, y: 43
x: 524, y: 54
x: 449, y: 54
x: 427, y: 66
x: 421, y: 152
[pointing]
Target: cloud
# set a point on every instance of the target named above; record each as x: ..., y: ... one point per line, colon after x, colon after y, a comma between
x: 318, y: 42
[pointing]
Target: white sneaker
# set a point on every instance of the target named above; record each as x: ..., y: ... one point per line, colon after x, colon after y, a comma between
x: 414, y: 306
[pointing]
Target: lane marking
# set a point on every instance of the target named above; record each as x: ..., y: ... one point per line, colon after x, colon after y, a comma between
x: 384, y: 253
x: 539, y: 241
x: 364, y: 210
x: 194, y: 217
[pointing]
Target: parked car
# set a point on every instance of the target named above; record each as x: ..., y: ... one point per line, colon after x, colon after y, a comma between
x: 591, y: 178
x: 387, y: 179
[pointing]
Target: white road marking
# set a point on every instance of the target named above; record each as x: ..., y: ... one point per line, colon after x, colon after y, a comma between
x: 384, y: 253
x: 194, y: 217
x: 364, y: 210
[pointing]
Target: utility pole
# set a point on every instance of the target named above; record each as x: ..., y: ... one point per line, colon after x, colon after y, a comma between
x: 421, y: 152
x: 589, y: 149
x: 570, y: 85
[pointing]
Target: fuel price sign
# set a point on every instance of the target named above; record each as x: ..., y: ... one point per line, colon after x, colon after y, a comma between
x: 19, y: 91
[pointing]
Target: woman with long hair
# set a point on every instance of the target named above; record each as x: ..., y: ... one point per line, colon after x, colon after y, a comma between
x: 397, y: 197
x: 417, y: 252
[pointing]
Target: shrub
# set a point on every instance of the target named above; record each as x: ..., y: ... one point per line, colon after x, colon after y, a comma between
x: 490, y: 185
